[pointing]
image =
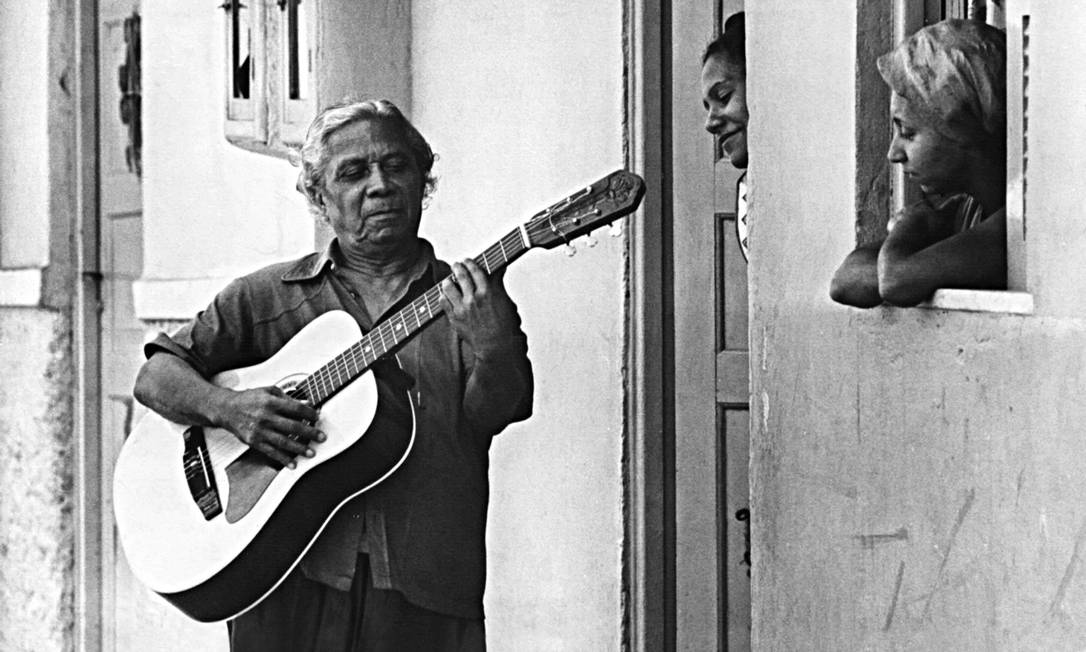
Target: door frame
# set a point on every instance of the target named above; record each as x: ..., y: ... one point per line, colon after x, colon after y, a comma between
x: 672, y: 553
x: 699, y: 526
x: 87, y: 467
x: 649, y: 533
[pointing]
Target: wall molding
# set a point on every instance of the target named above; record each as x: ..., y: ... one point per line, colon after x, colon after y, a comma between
x: 174, y: 299
x: 21, y: 287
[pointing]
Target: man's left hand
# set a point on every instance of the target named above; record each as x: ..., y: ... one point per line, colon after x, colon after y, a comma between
x: 478, y: 308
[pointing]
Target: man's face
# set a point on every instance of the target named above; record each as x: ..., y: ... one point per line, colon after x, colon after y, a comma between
x: 928, y: 157
x: 724, y: 95
x: 373, y: 187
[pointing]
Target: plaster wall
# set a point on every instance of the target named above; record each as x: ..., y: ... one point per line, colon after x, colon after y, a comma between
x: 916, y: 474
x: 523, y: 104
x: 211, y: 210
x: 24, y: 158
x: 36, y: 536
x: 1055, y: 194
x: 36, y: 418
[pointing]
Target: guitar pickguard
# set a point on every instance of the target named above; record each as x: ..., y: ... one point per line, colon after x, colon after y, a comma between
x: 250, y: 476
x: 252, y: 473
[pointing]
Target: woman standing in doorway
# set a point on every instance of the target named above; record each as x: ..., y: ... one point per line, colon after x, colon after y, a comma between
x: 724, y: 95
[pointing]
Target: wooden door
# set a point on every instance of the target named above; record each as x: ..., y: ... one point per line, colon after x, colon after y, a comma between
x: 133, y: 618
x: 711, y: 374
x: 733, y: 408
x: 733, y: 397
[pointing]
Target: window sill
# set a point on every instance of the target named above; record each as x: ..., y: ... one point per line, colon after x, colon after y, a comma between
x: 21, y: 287
x: 281, y: 150
x: 173, y: 299
x: 1001, y: 301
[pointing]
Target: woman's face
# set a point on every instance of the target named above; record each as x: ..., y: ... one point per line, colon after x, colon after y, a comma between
x: 939, y: 164
x: 724, y: 95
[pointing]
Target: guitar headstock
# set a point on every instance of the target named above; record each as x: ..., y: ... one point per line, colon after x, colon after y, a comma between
x: 614, y: 196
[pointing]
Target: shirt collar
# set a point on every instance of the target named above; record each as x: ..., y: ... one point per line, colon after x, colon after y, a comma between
x: 312, y: 266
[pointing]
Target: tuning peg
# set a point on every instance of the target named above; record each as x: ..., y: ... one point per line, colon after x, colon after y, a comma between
x: 616, y: 229
x: 591, y: 240
x: 571, y: 251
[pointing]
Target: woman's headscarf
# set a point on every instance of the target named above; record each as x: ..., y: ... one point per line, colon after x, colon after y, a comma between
x: 954, y: 73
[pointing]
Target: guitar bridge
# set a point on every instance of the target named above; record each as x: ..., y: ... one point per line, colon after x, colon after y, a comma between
x: 199, y: 474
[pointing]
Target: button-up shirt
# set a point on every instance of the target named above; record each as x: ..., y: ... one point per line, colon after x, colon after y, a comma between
x: 424, y: 526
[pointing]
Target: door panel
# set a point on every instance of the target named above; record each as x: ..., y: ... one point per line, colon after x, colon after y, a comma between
x: 735, y: 436
x: 733, y: 403
x: 732, y: 395
x: 711, y: 376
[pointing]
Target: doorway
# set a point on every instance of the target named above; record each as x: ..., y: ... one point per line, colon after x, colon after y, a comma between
x: 688, y: 450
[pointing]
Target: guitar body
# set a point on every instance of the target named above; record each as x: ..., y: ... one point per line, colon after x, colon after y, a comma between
x: 215, y: 567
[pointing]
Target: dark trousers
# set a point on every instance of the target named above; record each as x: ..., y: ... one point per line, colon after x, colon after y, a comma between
x: 306, y: 616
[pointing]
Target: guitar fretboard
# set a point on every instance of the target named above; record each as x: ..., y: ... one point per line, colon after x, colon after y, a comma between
x: 323, y: 383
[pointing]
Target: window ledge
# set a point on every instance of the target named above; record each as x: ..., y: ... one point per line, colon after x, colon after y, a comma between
x: 173, y: 299
x: 21, y: 287
x: 282, y: 150
x: 1018, y: 303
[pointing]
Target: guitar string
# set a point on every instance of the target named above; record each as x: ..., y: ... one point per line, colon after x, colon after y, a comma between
x: 343, y: 368
x: 327, y: 379
x: 387, y: 331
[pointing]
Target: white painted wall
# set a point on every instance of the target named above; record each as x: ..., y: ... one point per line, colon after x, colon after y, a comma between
x: 211, y: 210
x: 1055, y: 193
x: 36, y: 554
x: 523, y: 103
x: 24, y: 156
x: 916, y: 474
x: 36, y: 397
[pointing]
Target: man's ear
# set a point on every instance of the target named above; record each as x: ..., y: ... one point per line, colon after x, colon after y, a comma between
x: 317, y: 202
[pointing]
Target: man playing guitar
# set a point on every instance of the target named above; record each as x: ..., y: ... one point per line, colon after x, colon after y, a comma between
x: 400, y: 567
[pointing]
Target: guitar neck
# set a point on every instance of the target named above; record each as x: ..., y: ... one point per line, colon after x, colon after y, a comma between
x: 387, y: 336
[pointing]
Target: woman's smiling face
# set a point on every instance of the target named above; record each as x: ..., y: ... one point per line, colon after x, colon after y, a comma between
x: 724, y: 96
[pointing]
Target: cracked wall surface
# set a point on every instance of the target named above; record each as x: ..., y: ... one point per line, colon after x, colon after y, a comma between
x: 36, y: 535
x: 916, y: 473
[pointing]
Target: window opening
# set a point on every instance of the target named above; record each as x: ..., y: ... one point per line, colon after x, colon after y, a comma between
x: 241, y: 46
x: 299, y: 55
x: 130, y: 109
x: 874, y: 205
x: 290, y: 103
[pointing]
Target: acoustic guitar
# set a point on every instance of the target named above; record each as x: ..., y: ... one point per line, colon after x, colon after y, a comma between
x: 212, y: 525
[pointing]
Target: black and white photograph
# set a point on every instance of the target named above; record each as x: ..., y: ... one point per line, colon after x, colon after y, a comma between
x: 560, y: 326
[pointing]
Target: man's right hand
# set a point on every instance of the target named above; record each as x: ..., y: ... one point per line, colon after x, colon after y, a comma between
x: 273, y: 423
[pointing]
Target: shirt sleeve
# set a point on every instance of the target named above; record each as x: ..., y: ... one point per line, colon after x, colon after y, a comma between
x: 218, y: 338
x: 499, y: 385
